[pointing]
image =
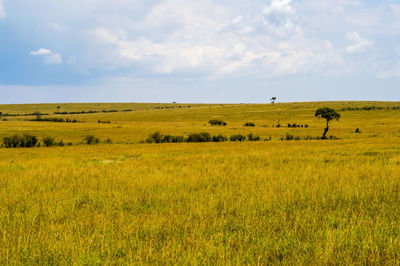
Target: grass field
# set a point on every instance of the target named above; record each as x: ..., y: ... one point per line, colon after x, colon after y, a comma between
x: 268, y: 202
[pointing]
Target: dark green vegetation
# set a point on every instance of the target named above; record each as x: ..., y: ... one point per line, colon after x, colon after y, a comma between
x: 17, y: 141
x: 249, y: 124
x: 329, y: 115
x: 215, y: 122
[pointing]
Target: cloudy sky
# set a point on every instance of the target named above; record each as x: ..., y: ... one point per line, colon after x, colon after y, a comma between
x: 199, y: 51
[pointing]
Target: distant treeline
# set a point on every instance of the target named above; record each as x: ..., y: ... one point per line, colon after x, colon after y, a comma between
x: 170, y: 107
x: 32, y: 114
x: 289, y: 136
x: 67, y: 113
x: 90, y: 112
x: 57, y: 120
x: 294, y: 125
x: 370, y: 108
x: 157, y: 137
x: 87, y: 112
x: 30, y: 141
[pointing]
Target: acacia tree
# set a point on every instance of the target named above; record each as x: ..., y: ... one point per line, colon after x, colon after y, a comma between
x: 38, y: 115
x: 329, y: 115
x: 273, y: 99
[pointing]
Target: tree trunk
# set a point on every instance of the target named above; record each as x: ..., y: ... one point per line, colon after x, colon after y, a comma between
x: 326, y: 130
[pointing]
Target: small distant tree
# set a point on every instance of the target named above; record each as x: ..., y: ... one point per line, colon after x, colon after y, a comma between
x: 48, y: 142
x: 38, y: 115
x: 329, y: 115
x: 155, y: 138
x: 91, y: 140
x: 273, y: 99
x: 58, y: 108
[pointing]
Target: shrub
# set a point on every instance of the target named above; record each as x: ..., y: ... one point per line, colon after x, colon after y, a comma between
x: 108, y: 141
x: 48, y: 142
x: 219, y: 138
x: 238, y: 137
x: 25, y: 141
x: 289, y: 136
x: 251, y: 137
x: 199, y: 137
x: 249, y: 124
x: 357, y: 130
x: 159, y: 138
x: 156, y: 137
x: 91, y: 140
x: 29, y: 141
x: 178, y: 139
x: 11, y: 142
x: 61, y: 143
x: 215, y: 122
x: 167, y: 139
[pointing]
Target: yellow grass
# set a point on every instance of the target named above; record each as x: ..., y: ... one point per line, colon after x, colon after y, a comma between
x: 275, y: 202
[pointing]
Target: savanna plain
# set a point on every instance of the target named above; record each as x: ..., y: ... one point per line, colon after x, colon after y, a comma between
x: 279, y: 200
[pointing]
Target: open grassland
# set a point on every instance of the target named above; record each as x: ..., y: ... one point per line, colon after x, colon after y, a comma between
x: 136, y: 125
x: 274, y: 202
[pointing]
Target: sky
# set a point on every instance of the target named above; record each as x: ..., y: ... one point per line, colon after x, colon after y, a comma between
x: 211, y: 51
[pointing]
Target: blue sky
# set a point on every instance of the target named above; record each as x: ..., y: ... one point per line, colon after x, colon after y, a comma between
x: 199, y: 51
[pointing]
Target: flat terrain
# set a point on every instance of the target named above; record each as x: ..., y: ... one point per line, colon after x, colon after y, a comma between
x: 269, y: 202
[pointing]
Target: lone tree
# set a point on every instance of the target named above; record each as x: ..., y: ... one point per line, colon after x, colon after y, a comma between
x: 273, y: 99
x: 38, y: 115
x: 329, y: 114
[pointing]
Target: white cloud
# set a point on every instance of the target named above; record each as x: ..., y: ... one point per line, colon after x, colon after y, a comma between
x: 280, y: 14
x: 279, y: 7
x: 2, y: 10
x: 359, y: 44
x: 213, y: 40
x: 41, y: 51
x: 53, y: 59
x: 49, y: 57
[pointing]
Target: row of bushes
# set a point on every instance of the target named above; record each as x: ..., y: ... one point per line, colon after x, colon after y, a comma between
x: 28, y: 141
x: 67, y: 113
x: 170, y: 107
x: 157, y: 137
x: 89, y: 112
x: 252, y: 124
x: 292, y: 137
x: 93, y: 140
x: 24, y: 141
x: 294, y: 125
x: 215, y: 122
x: 57, y: 120
x: 31, y: 114
x: 370, y: 108
x: 103, y: 122
x: 249, y: 124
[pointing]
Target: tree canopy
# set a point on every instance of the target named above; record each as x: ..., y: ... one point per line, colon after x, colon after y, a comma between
x: 327, y: 113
